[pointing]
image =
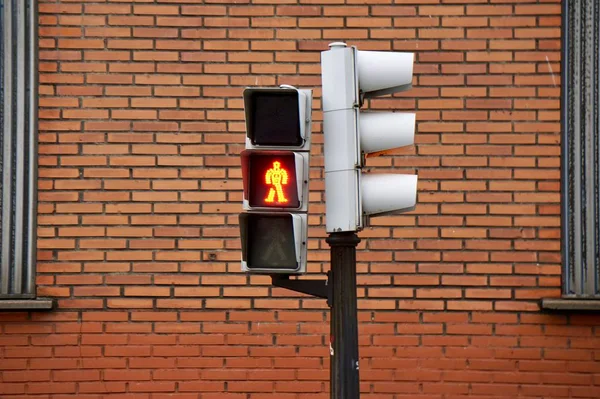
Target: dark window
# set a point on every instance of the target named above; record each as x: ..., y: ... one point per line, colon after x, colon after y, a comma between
x: 18, y: 152
x: 580, y: 149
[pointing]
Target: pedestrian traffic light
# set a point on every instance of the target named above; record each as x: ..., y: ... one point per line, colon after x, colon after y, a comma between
x: 275, y: 173
x: 350, y: 76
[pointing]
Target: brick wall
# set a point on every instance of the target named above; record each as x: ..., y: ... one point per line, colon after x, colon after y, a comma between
x: 141, y: 124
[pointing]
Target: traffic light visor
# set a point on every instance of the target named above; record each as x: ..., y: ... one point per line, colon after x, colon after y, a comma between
x: 268, y: 242
x: 272, y: 180
x: 273, y: 117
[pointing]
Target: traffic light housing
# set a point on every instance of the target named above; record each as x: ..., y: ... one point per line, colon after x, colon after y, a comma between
x: 350, y: 76
x: 275, y: 173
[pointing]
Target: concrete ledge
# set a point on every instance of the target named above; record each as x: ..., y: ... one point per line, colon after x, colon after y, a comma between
x: 590, y: 305
x: 26, y: 304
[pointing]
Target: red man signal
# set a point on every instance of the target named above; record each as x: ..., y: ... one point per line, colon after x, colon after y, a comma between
x: 276, y: 177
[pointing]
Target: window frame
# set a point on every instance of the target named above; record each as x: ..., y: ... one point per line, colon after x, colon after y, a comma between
x: 18, y: 156
x: 580, y: 157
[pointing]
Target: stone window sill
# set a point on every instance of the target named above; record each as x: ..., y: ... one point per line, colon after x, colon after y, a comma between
x: 41, y: 304
x: 566, y: 304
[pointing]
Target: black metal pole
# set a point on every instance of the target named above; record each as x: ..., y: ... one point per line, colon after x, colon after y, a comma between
x: 344, y: 325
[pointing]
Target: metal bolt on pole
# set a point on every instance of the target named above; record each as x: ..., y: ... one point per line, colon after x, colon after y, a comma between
x: 344, y: 377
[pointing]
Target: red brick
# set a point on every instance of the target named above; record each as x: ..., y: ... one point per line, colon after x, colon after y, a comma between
x: 140, y: 190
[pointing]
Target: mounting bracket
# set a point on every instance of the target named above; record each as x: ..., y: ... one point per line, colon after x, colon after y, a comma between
x: 317, y: 288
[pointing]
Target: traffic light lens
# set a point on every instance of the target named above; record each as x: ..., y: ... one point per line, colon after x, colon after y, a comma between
x: 275, y: 118
x: 270, y: 241
x: 273, y: 181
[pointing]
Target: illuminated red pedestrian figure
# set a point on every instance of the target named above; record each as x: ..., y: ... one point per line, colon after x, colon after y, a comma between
x: 276, y: 177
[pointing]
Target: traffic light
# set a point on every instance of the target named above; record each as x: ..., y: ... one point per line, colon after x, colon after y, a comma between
x: 275, y: 173
x: 350, y: 76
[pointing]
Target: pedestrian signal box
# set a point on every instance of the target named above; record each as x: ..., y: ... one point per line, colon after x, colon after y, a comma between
x: 275, y: 172
x: 271, y: 245
x: 275, y: 179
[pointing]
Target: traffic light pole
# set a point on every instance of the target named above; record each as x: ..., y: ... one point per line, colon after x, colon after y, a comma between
x: 344, y: 378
